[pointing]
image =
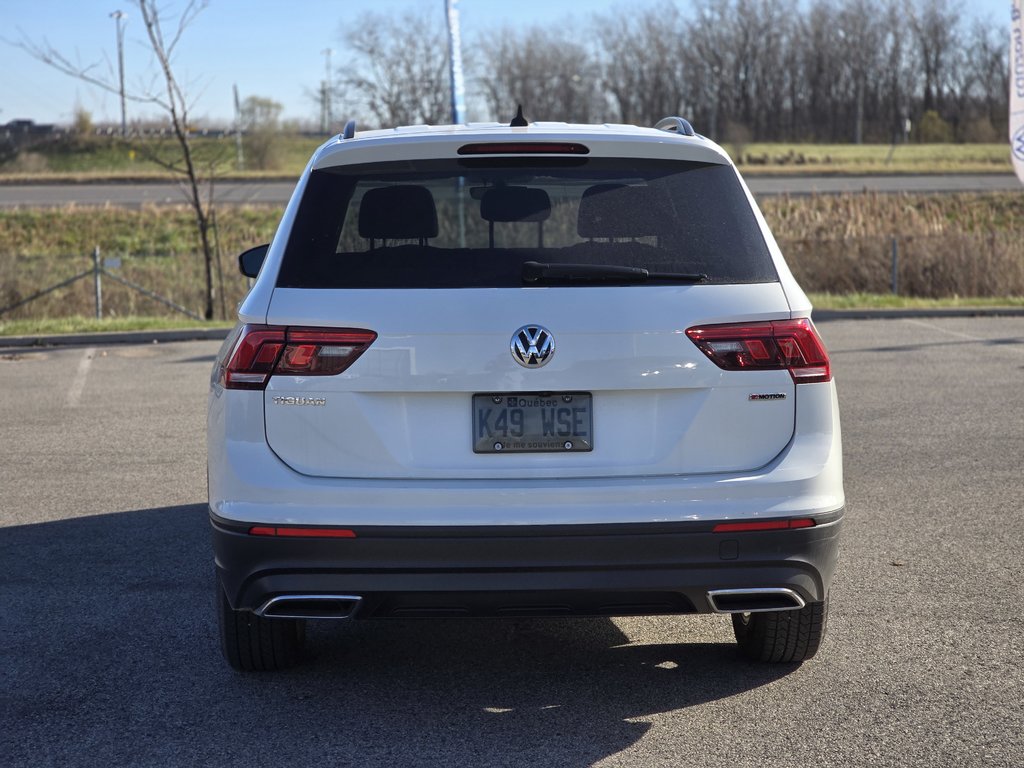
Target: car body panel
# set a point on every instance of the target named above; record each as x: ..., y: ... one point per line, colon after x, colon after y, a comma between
x: 403, y: 409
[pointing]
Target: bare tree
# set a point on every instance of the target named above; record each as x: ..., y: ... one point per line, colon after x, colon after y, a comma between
x: 819, y: 70
x: 985, y: 59
x: 740, y: 71
x: 767, y: 70
x: 936, y: 29
x: 169, y: 95
x: 642, y: 62
x: 399, y: 66
x: 261, y: 120
x: 773, y: 35
x: 752, y: 25
x: 552, y: 75
x: 709, y: 58
x: 897, y: 82
x: 862, y: 32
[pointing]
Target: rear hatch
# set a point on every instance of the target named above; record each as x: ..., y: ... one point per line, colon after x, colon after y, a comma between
x: 516, y: 335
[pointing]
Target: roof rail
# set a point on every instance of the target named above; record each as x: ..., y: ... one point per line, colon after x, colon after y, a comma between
x: 677, y: 125
x: 350, y: 130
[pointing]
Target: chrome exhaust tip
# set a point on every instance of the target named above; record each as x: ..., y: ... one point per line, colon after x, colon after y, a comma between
x: 754, y: 600
x: 309, y: 607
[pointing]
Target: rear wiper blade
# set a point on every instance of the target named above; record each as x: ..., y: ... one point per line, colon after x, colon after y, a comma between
x: 536, y: 271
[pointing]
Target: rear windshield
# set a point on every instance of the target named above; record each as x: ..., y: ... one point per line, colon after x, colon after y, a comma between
x: 474, y: 222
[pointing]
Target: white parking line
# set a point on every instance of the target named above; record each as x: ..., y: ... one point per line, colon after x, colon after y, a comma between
x: 1017, y: 348
x: 940, y: 329
x: 78, y: 383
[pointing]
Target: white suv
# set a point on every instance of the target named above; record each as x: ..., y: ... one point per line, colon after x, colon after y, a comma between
x: 543, y: 370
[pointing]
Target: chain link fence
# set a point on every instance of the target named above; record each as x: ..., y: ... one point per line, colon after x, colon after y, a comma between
x: 982, y: 264
x: 114, y: 285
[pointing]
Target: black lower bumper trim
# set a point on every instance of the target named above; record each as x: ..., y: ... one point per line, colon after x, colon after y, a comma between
x: 410, y: 605
x: 612, y: 570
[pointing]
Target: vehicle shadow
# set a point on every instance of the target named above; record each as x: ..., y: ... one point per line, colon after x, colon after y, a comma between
x: 198, y: 359
x: 111, y: 657
x: 920, y: 346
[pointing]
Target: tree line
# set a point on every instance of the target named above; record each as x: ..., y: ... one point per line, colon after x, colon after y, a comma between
x: 740, y: 70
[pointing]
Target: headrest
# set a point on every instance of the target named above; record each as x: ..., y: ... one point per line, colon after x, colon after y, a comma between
x: 515, y: 204
x: 618, y: 210
x: 403, y: 212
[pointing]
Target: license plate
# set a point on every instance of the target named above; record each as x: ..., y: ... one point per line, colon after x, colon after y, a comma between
x: 508, y: 422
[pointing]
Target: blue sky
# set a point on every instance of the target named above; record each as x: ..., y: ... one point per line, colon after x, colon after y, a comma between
x: 268, y: 47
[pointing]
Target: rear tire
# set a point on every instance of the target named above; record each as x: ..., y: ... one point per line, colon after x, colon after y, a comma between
x: 781, y: 636
x: 251, y: 643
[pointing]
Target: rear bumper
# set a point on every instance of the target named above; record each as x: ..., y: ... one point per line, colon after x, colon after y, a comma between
x: 616, y: 569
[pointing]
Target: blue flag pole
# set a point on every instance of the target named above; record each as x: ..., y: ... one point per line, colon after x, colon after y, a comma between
x: 455, y: 63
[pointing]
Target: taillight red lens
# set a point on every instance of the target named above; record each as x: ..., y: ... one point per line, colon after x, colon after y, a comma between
x: 254, y: 357
x: 322, y: 352
x: 764, y: 525
x: 303, y: 533
x: 264, y: 350
x: 780, y: 344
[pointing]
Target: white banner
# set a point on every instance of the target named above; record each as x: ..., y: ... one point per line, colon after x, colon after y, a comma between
x: 1017, y: 87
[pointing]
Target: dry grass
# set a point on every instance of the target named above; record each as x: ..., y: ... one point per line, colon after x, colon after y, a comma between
x: 969, y: 245
x: 947, y: 245
x: 950, y: 265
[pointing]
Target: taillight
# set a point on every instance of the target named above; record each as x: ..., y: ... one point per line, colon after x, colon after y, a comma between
x: 776, y: 345
x: 265, y: 350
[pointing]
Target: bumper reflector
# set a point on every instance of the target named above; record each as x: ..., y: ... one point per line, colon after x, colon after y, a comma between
x: 307, y: 533
x: 764, y: 525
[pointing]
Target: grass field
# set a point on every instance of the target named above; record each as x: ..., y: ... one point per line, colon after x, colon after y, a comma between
x: 110, y: 158
x: 854, y: 159
x: 78, y: 324
x: 889, y: 301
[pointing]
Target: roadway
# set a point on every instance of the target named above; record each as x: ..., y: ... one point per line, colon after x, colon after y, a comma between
x: 130, y: 194
x: 109, y: 654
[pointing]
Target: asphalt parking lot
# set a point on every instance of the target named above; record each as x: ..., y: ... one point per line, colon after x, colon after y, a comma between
x: 109, y: 645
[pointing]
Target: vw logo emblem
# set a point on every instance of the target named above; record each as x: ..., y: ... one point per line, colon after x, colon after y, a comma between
x: 532, y: 346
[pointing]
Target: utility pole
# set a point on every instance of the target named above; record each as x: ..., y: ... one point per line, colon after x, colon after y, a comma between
x: 326, y: 118
x: 118, y: 17
x: 240, y: 157
x: 323, y: 108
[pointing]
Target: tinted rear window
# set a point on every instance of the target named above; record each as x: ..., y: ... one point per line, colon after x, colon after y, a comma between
x: 471, y: 223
